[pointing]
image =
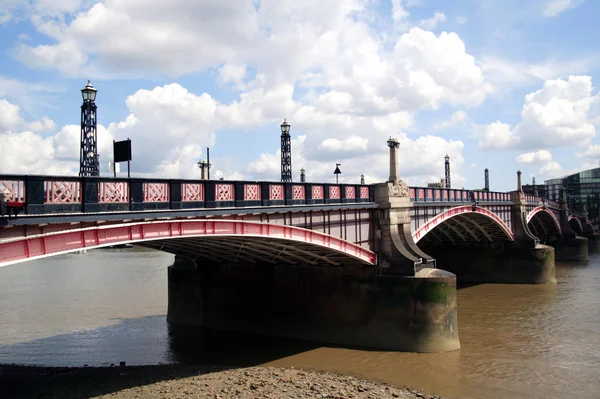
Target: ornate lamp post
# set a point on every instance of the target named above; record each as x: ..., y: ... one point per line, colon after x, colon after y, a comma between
x: 302, y: 176
x: 286, y: 152
x: 88, y: 154
x: 362, y: 178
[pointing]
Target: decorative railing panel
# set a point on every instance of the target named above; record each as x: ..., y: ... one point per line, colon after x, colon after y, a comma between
x: 192, y: 192
x: 224, y: 192
x: 113, y: 192
x: 13, y: 190
x: 317, y: 192
x: 298, y: 193
x: 63, y: 192
x: 334, y: 192
x: 364, y: 192
x: 276, y: 192
x: 350, y: 192
x: 252, y: 192
x: 156, y: 192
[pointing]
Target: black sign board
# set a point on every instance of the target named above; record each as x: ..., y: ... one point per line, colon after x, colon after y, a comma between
x: 122, y: 150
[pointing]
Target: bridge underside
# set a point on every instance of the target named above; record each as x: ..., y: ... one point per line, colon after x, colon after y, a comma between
x: 544, y: 226
x: 255, y: 250
x: 468, y: 227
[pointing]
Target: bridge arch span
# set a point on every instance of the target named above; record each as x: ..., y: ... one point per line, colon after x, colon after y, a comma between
x: 217, y: 240
x: 575, y: 224
x: 543, y: 223
x: 463, y: 224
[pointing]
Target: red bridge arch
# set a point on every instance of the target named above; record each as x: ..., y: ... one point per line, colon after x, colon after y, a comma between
x: 545, y: 211
x: 462, y: 210
x: 261, y: 241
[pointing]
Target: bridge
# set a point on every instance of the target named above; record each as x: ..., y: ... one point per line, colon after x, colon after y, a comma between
x: 370, y: 265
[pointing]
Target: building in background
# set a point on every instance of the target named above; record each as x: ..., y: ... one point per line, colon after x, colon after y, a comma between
x: 539, y: 190
x: 582, y: 190
x: 441, y: 184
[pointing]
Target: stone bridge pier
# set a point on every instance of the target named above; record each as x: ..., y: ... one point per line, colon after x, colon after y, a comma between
x: 570, y: 246
x: 402, y: 303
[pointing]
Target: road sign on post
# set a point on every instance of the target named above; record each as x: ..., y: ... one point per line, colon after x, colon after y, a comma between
x: 122, y: 153
x: 337, y: 171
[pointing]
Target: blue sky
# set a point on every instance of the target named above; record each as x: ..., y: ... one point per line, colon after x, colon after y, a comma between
x: 502, y: 84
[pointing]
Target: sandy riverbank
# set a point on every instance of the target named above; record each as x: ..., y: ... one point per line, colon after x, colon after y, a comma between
x: 188, y: 381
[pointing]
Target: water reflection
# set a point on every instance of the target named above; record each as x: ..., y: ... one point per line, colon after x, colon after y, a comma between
x: 109, y: 306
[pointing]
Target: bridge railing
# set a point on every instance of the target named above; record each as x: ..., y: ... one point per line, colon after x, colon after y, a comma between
x: 65, y: 194
x: 428, y: 194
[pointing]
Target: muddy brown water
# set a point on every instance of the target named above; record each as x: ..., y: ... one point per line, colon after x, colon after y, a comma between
x: 107, y: 306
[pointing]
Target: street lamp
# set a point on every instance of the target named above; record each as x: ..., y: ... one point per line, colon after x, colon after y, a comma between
x: 286, y: 152
x: 88, y: 152
x: 302, y: 175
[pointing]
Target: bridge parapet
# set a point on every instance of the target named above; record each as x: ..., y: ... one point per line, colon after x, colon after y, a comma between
x: 428, y: 194
x: 69, y: 194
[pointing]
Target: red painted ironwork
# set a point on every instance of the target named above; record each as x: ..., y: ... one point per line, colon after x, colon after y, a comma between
x: 63, y: 192
x: 223, y: 192
x: 113, y: 192
x: 445, y: 192
x: 192, y: 192
x: 156, y: 192
x: 429, y: 193
x: 350, y: 192
x: 364, y: 192
x: 36, y: 246
x: 276, y: 192
x: 421, y: 194
x: 252, y: 192
x: 334, y: 192
x: 452, y: 195
x: 539, y: 209
x: 317, y: 192
x: 13, y: 190
x: 431, y: 224
x: 411, y: 193
x: 437, y: 194
x: 298, y: 192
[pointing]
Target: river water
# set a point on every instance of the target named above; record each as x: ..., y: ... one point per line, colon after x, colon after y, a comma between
x: 107, y: 306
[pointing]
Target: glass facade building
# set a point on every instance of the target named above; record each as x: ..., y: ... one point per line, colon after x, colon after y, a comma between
x: 582, y: 190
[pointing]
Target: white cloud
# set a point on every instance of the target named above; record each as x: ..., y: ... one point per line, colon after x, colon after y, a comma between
x: 556, y: 115
x: 461, y: 19
x: 231, y: 73
x: 535, y: 157
x: 399, y: 13
x: 10, y: 116
x: 497, y: 135
x: 327, y: 49
x: 593, y: 151
x: 557, y: 7
x: 432, y: 23
x: 552, y: 169
x: 459, y: 117
x: 505, y: 74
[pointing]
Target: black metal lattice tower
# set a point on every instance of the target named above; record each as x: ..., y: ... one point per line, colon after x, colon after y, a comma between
x: 88, y: 153
x: 286, y: 152
x: 487, y: 179
x: 447, y: 171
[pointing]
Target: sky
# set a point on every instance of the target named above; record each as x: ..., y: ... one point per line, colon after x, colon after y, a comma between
x: 500, y: 84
